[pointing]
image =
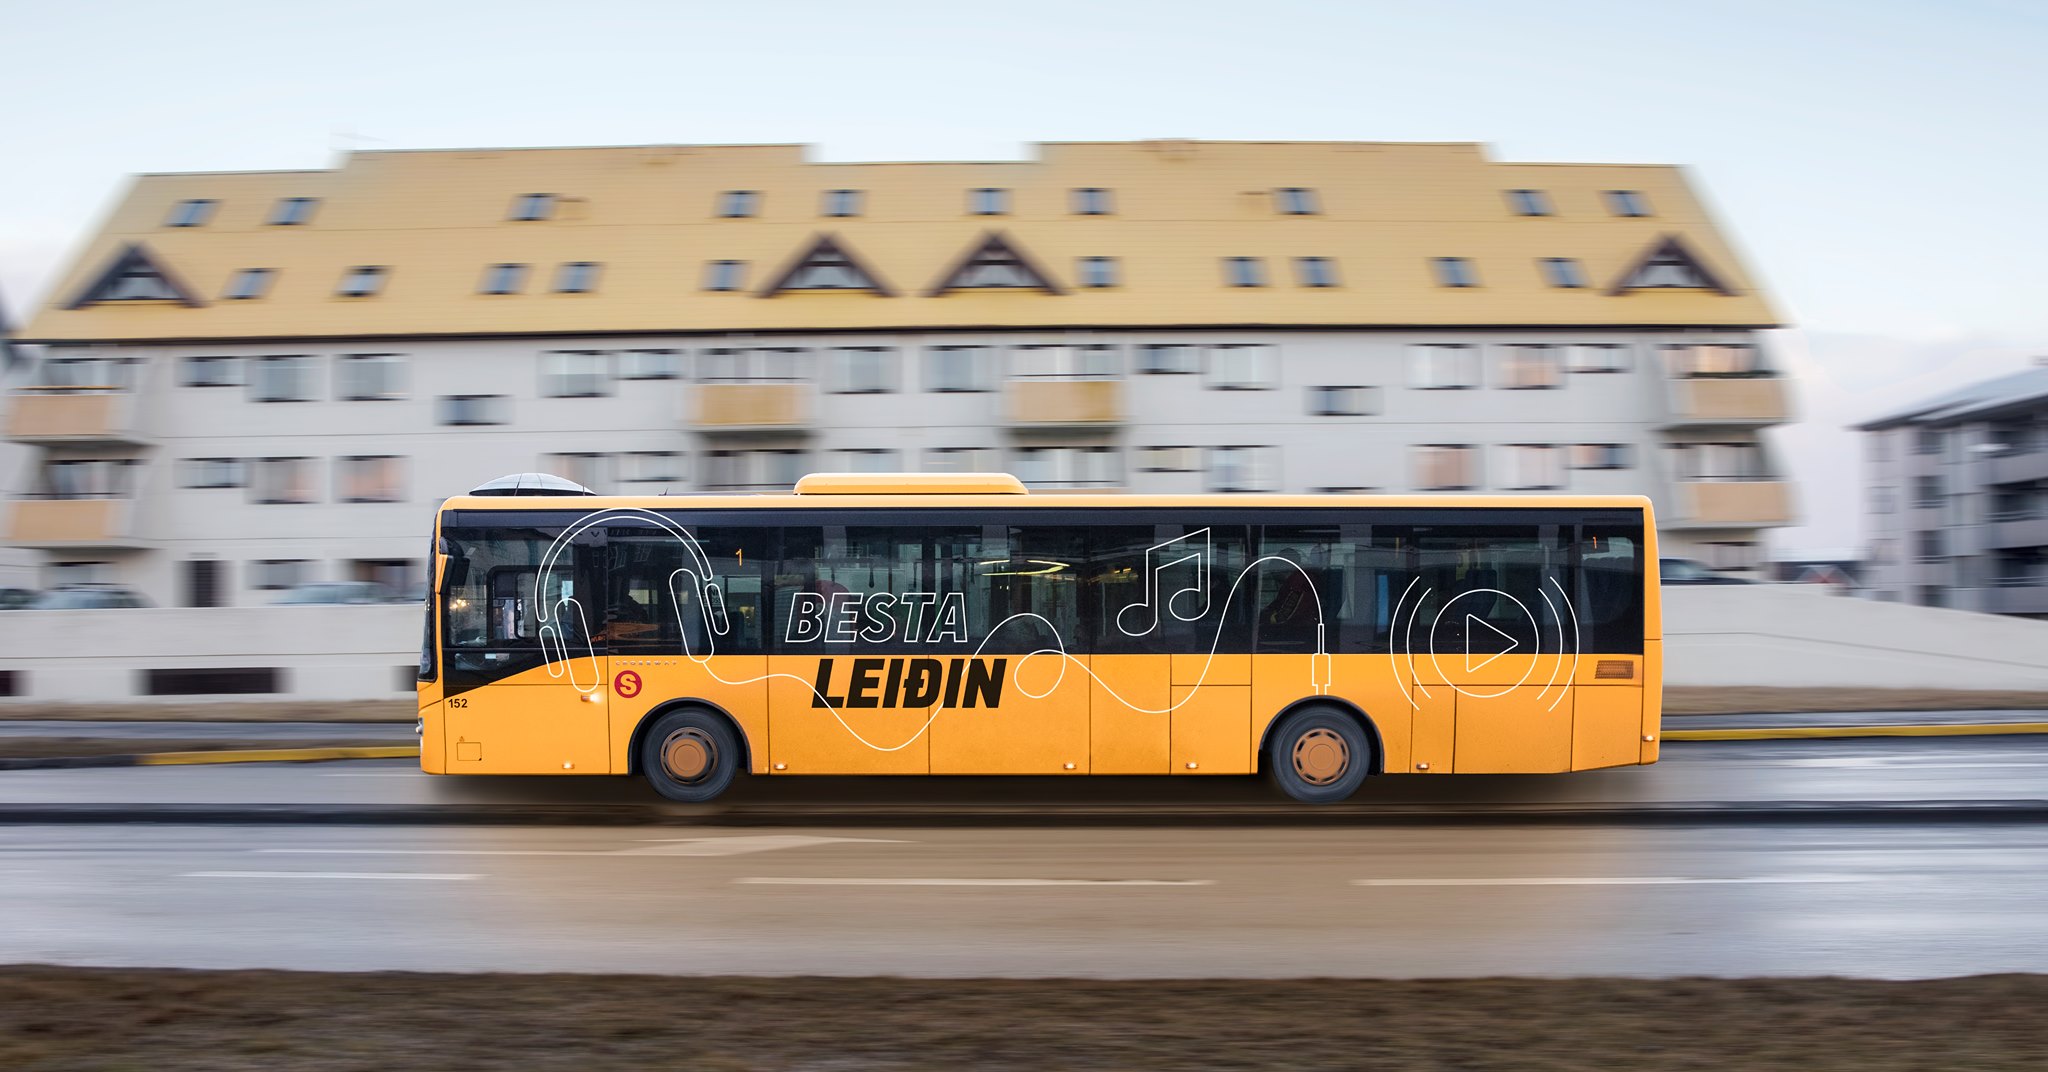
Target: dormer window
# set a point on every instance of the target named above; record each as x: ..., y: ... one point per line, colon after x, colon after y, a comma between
x: 533, y: 207
x: 1091, y: 201
x: 249, y: 283
x: 1244, y: 271
x: 842, y: 203
x: 292, y: 211
x: 1529, y: 202
x: 576, y: 277
x: 363, y: 281
x: 504, y: 279
x: 989, y: 201
x: 191, y: 213
x: 1295, y: 201
x: 739, y: 204
x: 1563, y: 272
x: 1315, y: 271
x: 1627, y: 203
x: 1455, y: 272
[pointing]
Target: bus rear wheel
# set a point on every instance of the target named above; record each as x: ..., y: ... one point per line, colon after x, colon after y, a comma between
x: 689, y: 755
x: 1318, y: 755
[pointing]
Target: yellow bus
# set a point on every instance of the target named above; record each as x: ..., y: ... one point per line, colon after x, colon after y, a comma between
x: 959, y: 624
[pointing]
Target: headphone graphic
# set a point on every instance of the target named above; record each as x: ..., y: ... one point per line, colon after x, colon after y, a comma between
x: 710, y: 598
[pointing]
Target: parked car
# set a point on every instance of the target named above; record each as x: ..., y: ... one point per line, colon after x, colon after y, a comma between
x: 1692, y: 571
x: 333, y: 592
x: 91, y: 597
x: 18, y: 598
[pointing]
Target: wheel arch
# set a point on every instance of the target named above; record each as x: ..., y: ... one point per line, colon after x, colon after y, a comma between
x: 654, y: 715
x: 1365, y: 722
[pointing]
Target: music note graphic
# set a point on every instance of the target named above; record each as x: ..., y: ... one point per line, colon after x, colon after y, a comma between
x: 1148, y: 608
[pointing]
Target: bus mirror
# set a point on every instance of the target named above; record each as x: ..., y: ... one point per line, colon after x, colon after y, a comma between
x: 454, y: 572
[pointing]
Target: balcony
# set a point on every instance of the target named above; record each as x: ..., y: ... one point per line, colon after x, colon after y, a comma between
x: 2017, y: 595
x: 2017, y: 468
x: 2021, y: 529
x: 751, y: 407
x: 83, y: 524
x: 1731, y: 504
x: 1055, y: 404
x: 52, y: 415
x: 1723, y: 401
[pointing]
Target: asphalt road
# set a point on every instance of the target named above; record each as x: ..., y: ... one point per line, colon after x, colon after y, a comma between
x: 1128, y: 902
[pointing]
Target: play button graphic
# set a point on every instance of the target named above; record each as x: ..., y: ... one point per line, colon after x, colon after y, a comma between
x: 1473, y: 624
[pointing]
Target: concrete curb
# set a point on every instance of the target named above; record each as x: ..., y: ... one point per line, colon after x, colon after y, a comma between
x: 1684, y: 813
x: 236, y: 755
x: 1791, y: 733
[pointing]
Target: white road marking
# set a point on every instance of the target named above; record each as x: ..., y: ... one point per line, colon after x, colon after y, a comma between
x: 418, y: 876
x: 973, y: 882
x: 711, y: 846
x: 1614, y: 880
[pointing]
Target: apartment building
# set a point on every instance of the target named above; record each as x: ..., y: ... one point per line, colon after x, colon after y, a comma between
x: 251, y: 380
x: 1957, y: 514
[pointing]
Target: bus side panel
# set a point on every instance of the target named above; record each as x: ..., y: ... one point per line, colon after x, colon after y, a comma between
x: 1653, y: 701
x: 806, y: 736
x: 1606, y: 728
x: 1526, y: 730
x: 1209, y: 729
x: 1434, y: 722
x: 1039, y: 725
x: 1128, y: 724
x: 737, y: 684
x: 532, y: 722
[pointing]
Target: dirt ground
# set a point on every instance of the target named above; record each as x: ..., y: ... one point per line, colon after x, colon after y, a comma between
x: 102, y: 1020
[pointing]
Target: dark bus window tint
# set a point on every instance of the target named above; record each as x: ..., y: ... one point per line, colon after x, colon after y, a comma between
x: 1609, y: 602
x: 1312, y: 576
x: 699, y: 593
x: 1170, y: 588
x: 502, y: 591
x: 1490, y: 590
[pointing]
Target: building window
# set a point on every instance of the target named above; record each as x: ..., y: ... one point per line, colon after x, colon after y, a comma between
x: 1443, y: 366
x: 1883, y: 500
x: 1295, y: 201
x: 292, y: 211
x: 962, y: 460
x: 592, y: 470
x: 1927, y: 492
x: 363, y: 281
x: 724, y: 275
x: 842, y: 203
x: 60, y: 574
x: 760, y: 364
x: 1067, y: 467
x: 532, y: 207
x: 988, y: 201
x: 378, y: 478
x: 1929, y: 546
x: 1454, y: 272
x: 1169, y: 359
x: 1244, y: 271
x: 1169, y: 459
x: 281, y: 480
x: 475, y: 409
x: 1446, y: 467
x: 1096, y: 271
x: 248, y: 284
x: 1532, y: 466
x: 575, y: 374
x: 1717, y: 462
x: 1531, y: 367
x: 1596, y: 357
x: 211, y: 372
x: 1672, y: 269
x: 1091, y: 201
x: 1244, y: 468
x: 1563, y: 272
x: 1343, y: 401
x: 1243, y: 367
x: 283, y: 378
x: 1627, y: 203
x: 212, y: 473
x: 650, y: 364
x: 576, y: 277
x: 504, y: 279
x: 959, y: 368
x: 1057, y: 362
x: 369, y: 377
x: 63, y: 375
x: 738, y: 204
x: 865, y: 460
x: 1927, y: 441
x: 191, y: 213
x: 650, y: 467
x: 1315, y: 271
x: 861, y: 370
x: 1699, y: 360
x: 1599, y: 456
x: 276, y: 574
x: 87, y: 478
x: 1529, y: 202
x: 753, y: 470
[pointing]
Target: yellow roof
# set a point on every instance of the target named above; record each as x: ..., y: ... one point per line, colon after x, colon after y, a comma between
x: 649, y: 216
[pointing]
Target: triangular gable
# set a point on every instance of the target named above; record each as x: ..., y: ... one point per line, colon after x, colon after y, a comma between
x: 827, y: 265
x: 994, y: 264
x: 134, y: 275
x: 1670, y: 265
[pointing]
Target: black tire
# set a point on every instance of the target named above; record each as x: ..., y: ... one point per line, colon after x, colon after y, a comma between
x: 1318, y: 755
x: 690, y: 755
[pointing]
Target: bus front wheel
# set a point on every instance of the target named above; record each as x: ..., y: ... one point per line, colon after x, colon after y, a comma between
x: 690, y: 755
x: 1319, y: 755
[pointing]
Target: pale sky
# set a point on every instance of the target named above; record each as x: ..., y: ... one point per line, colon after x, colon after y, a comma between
x: 1880, y: 164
